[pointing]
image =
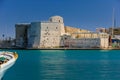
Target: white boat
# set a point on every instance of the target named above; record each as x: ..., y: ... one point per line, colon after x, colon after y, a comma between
x: 7, y: 59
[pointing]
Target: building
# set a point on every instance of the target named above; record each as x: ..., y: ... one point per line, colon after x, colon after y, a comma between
x: 86, y: 40
x: 53, y: 34
x: 101, y: 30
x: 114, y: 31
x: 71, y: 30
x: 40, y: 34
x: 46, y: 34
x: 21, y: 34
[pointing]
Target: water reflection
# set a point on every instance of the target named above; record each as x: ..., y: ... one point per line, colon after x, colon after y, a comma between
x: 105, y: 50
x: 52, y: 65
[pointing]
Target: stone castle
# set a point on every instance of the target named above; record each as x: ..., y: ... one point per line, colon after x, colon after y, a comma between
x: 42, y: 34
x: 53, y: 33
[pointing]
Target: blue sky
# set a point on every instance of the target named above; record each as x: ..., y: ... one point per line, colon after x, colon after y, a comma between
x: 85, y: 14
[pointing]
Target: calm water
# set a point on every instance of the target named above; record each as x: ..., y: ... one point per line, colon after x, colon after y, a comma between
x: 65, y: 65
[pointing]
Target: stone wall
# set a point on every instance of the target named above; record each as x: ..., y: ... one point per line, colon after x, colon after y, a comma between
x: 21, y: 34
x: 74, y: 32
x: 71, y: 30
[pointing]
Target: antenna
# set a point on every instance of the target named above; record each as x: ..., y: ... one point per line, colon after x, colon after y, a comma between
x: 113, y: 22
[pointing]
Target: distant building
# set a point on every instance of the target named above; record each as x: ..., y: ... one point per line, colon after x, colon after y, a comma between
x: 115, y: 36
x: 7, y: 43
x: 101, y: 30
x: 114, y: 31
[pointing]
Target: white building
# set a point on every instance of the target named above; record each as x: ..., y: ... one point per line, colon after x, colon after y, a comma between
x: 89, y: 40
x: 46, y: 34
x: 104, y: 40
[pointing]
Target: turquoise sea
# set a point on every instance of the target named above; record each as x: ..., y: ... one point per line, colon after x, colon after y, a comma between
x: 65, y: 65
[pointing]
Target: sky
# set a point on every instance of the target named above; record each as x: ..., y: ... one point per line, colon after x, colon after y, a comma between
x: 84, y: 14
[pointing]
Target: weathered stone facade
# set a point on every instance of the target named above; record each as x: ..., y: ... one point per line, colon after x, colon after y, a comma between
x: 52, y: 33
x: 46, y: 34
x: 73, y: 31
x: 89, y: 40
x: 21, y: 34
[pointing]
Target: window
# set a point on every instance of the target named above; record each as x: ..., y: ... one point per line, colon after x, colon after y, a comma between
x: 65, y: 38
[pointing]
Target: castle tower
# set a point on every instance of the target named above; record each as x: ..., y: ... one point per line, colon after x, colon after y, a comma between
x: 46, y: 34
x: 59, y: 20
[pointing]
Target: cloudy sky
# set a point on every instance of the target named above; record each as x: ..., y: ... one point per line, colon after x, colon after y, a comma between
x: 85, y: 14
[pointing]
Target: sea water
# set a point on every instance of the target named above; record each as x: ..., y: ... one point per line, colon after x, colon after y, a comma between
x: 65, y: 65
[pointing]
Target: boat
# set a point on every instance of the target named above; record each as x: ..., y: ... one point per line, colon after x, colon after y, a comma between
x: 7, y: 60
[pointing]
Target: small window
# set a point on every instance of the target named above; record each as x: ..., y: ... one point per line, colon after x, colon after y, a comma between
x: 65, y: 38
x: 50, y: 20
